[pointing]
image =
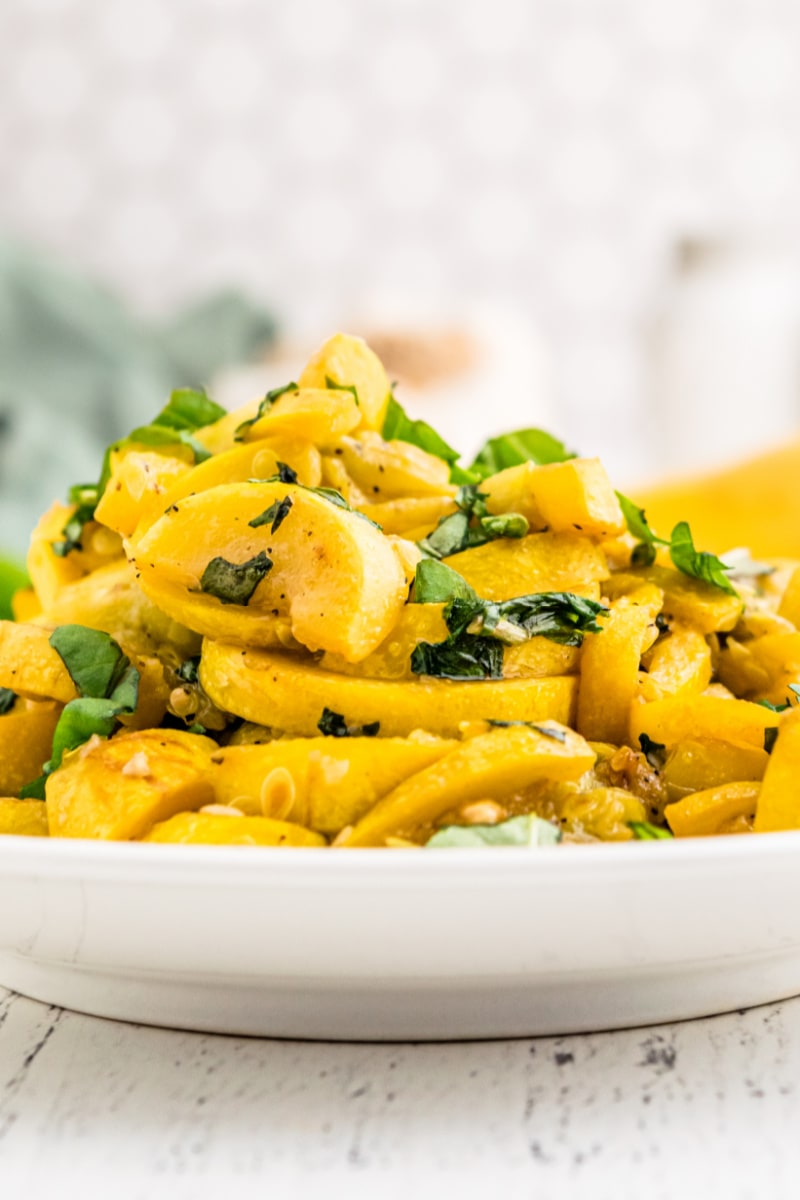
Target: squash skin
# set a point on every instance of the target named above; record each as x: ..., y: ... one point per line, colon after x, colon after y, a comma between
x: 679, y: 718
x: 289, y: 693
x: 708, y: 812
x: 566, y: 497
x: 778, y: 806
x: 335, y: 584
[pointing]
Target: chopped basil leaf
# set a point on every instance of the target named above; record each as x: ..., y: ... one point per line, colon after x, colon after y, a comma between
x: 654, y: 752
x: 277, y: 513
x: 527, y: 830
x: 188, y: 671
x: 34, y: 790
x: 550, y: 731
x: 512, y: 449
x: 107, y: 686
x: 286, y: 474
x: 636, y: 521
x: 436, y: 583
x: 333, y: 724
x: 189, y: 409
x: 697, y: 563
x: 398, y: 427
x: 561, y: 617
x: 333, y: 386
x: 455, y: 532
x: 643, y: 831
x: 93, y: 659
x: 235, y: 583
x: 263, y: 408
x: 7, y: 700
x: 779, y: 708
x: 770, y: 738
x: 459, y: 658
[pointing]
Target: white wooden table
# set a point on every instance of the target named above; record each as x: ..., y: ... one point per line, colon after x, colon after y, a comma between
x: 92, y: 1108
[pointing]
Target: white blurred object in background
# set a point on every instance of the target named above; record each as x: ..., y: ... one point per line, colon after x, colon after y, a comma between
x: 471, y: 375
x: 725, y: 355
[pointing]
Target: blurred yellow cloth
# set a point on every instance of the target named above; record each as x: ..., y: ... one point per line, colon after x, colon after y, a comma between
x: 754, y: 504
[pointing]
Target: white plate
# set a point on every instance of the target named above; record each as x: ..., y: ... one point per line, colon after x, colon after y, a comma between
x: 393, y: 945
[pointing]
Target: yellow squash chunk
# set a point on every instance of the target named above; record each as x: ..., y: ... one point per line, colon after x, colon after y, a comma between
x: 325, y: 783
x: 610, y: 671
x: 349, y: 362
x: 683, y: 717
x: 334, y: 475
x: 110, y: 599
x: 251, y: 460
x: 680, y: 663
x: 392, y: 659
x: 25, y: 605
x: 705, y: 813
x: 779, y: 799
x: 23, y: 818
x: 386, y: 470
x: 118, y: 789
x: 289, y: 693
x: 315, y: 414
x: 538, y: 658
x: 701, y: 763
x: 754, y: 504
x: 140, y: 480
x: 49, y: 572
x: 26, y: 738
x: 491, y: 766
x: 687, y: 600
x: 210, y: 829
x: 222, y: 435
x: 564, y: 497
x: 335, y: 582
x: 762, y: 668
x: 540, y: 562
x: 410, y: 514
x: 30, y: 666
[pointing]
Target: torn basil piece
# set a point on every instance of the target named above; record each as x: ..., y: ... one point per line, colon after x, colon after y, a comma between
x: 528, y: 830
x: 95, y: 662
x: 7, y: 700
x: 521, y: 446
x: 463, y: 657
x: 333, y: 386
x: 398, y: 427
x: 235, y: 583
x: 274, y: 516
x: 263, y: 408
x: 333, y: 724
x: 643, y: 831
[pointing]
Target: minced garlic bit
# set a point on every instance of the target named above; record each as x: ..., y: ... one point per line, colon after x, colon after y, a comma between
x: 138, y: 766
x: 221, y: 810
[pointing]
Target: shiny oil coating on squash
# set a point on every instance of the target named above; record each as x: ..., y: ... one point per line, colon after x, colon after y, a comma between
x: 302, y: 625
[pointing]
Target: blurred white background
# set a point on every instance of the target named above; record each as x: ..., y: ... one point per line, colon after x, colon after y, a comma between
x: 340, y: 157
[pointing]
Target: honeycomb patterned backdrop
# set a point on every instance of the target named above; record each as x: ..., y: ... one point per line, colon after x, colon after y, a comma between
x: 540, y: 154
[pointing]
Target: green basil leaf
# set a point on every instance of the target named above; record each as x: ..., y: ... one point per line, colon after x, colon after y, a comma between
x: 34, y: 790
x: 512, y: 449
x: 263, y: 408
x: 333, y: 724
x: 95, y: 662
x: 654, y: 752
x: 156, y: 436
x: 451, y: 536
x: 398, y: 427
x: 188, y: 671
x: 643, y: 831
x: 276, y: 514
x: 189, y: 409
x: 235, y: 583
x: 459, y: 658
x: 7, y: 700
x: 333, y: 386
x: 80, y: 720
x: 770, y: 738
x: 505, y: 525
x: 699, y: 564
x: 561, y: 617
x: 528, y: 830
x: 637, y: 522
x: 436, y: 583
